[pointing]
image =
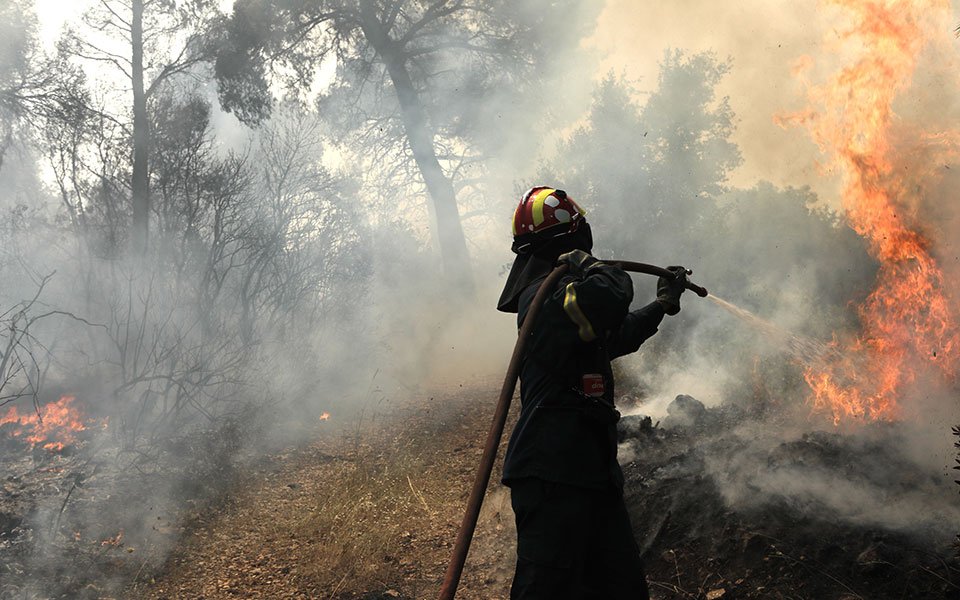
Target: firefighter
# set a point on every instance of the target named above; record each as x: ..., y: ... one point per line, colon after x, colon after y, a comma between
x: 574, y: 539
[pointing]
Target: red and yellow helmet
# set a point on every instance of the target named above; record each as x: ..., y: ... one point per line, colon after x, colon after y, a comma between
x: 544, y: 213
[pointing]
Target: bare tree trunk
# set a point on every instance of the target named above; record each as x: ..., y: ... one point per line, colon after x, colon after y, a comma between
x: 7, y: 140
x: 141, y: 138
x: 446, y: 216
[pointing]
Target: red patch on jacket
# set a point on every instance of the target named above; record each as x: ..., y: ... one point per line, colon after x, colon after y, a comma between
x: 593, y: 385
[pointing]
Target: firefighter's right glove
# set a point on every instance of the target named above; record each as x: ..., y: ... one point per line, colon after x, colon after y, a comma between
x: 578, y: 262
x: 670, y: 289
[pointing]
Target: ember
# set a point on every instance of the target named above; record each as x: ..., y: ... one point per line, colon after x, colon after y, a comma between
x: 114, y: 541
x: 907, y: 321
x: 55, y: 427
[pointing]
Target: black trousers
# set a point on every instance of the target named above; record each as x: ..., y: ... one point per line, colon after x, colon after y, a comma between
x: 574, y: 544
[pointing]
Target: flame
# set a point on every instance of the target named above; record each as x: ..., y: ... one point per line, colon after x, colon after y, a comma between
x: 114, y: 541
x: 325, y: 416
x: 907, y: 321
x: 55, y: 427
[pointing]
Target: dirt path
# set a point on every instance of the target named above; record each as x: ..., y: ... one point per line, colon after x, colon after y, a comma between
x: 367, y: 511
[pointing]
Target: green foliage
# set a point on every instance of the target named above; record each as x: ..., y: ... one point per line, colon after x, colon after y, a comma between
x: 653, y: 177
x: 34, y: 87
x: 656, y: 167
x: 239, y: 66
x: 18, y: 43
x: 471, y: 64
x: 783, y: 233
x: 689, y: 130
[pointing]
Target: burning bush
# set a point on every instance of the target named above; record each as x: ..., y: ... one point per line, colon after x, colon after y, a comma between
x: 54, y: 426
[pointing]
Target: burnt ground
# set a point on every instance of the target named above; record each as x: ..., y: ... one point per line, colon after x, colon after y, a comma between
x: 369, y: 510
x: 775, y: 543
x: 84, y: 520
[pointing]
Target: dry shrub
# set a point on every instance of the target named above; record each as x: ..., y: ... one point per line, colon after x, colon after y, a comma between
x: 365, y: 520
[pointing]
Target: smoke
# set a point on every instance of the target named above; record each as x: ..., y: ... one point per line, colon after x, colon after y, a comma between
x: 763, y: 40
x: 293, y: 272
x: 814, y: 475
x: 681, y: 162
x: 773, y: 250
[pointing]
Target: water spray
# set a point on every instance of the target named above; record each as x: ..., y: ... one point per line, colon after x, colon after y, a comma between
x: 462, y: 544
x: 806, y: 350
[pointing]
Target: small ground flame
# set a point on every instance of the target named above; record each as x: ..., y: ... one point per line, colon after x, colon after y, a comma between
x: 907, y: 321
x: 325, y: 416
x: 54, y: 428
x: 113, y: 542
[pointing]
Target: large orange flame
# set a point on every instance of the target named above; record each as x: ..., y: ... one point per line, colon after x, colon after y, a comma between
x: 907, y: 321
x: 55, y: 427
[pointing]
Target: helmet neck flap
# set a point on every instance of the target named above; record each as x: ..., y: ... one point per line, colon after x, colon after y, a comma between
x: 536, y: 259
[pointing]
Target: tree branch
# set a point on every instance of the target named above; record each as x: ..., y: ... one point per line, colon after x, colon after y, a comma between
x: 127, y: 25
x: 437, y: 10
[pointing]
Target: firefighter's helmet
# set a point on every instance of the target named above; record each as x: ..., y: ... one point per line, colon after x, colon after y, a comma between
x: 543, y: 214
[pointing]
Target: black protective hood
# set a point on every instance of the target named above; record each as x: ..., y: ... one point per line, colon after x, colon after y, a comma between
x: 536, y: 263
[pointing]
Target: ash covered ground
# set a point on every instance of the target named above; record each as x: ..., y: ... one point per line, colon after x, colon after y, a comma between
x: 86, y: 519
x: 728, y: 505
x: 725, y: 502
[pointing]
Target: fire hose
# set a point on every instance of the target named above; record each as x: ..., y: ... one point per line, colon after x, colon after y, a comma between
x: 467, y: 527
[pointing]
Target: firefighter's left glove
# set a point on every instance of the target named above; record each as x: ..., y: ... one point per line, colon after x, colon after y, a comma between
x: 669, y: 289
x: 578, y: 262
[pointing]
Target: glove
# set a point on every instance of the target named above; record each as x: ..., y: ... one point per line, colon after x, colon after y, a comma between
x: 670, y: 289
x: 577, y: 261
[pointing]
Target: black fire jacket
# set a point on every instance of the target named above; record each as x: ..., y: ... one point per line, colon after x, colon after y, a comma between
x: 566, y: 432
